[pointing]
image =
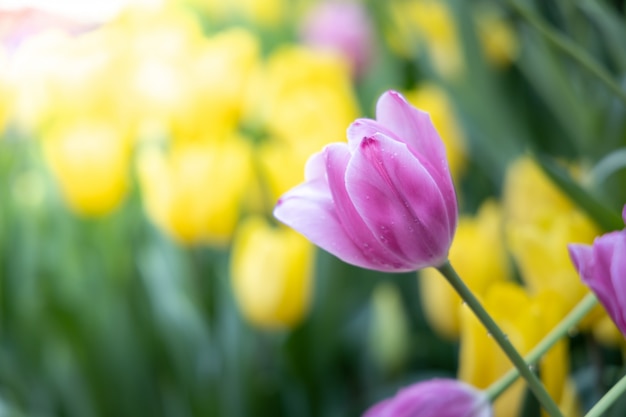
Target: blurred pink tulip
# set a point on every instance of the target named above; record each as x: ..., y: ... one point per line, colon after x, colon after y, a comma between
x: 434, y: 398
x: 342, y: 26
x: 384, y: 200
x: 602, y: 267
x: 18, y: 25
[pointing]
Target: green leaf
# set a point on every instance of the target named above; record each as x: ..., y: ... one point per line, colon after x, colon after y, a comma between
x: 603, y: 216
x: 610, y: 26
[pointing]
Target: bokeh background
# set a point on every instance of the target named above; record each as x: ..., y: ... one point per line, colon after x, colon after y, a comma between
x: 143, y: 146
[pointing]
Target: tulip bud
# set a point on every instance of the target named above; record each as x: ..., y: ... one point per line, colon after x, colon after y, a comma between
x: 272, y: 271
x: 383, y: 201
x: 602, y: 267
x: 89, y: 160
x: 434, y: 398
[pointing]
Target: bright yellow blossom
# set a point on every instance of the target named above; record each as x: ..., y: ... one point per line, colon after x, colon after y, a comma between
x: 89, y: 159
x: 525, y: 320
x: 467, y: 254
x: 539, y: 223
x: 5, y: 93
x: 191, y: 90
x: 304, y: 100
x: 195, y: 191
x: 272, y: 271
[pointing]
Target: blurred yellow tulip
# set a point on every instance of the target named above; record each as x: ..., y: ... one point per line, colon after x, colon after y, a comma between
x: 433, y: 100
x: 479, y: 271
x: 220, y: 75
x: 432, y: 24
x: 539, y: 223
x: 194, y: 88
x: 89, y: 160
x: 194, y: 192
x: 304, y: 99
x: 525, y: 320
x: 497, y: 38
x: 5, y: 91
x: 271, y: 271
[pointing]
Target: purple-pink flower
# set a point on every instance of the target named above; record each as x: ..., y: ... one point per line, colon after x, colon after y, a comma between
x: 343, y: 26
x: 384, y: 200
x: 602, y: 267
x: 435, y: 398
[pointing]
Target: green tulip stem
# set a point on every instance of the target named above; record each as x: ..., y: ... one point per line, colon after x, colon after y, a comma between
x: 608, y: 399
x: 569, y: 47
x: 556, y: 334
x: 503, y: 341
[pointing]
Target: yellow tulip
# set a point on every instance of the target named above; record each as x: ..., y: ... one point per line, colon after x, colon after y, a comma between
x: 89, y: 160
x: 5, y: 92
x: 304, y: 100
x: 497, y: 39
x: 539, y: 223
x: 195, y: 191
x: 432, y: 24
x: 525, y: 320
x: 220, y: 75
x: 271, y: 271
x: 282, y: 166
x: 467, y: 254
x: 432, y: 99
x: 529, y: 194
x: 305, y: 97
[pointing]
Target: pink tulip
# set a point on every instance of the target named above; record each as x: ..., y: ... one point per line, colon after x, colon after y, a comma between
x: 602, y: 267
x: 384, y: 200
x: 342, y: 26
x: 434, y: 398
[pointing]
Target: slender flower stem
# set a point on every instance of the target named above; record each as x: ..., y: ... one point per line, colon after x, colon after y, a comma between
x: 561, y: 329
x: 494, y: 330
x: 569, y: 47
x: 608, y: 399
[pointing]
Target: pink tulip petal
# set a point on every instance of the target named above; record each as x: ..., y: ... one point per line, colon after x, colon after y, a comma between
x: 390, y: 187
x: 309, y: 209
x: 581, y: 256
x: 366, y: 128
x: 438, y: 397
x: 598, y: 275
x: 374, y: 255
x: 602, y: 267
x: 414, y: 127
x: 618, y: 277
x: 586, y: 262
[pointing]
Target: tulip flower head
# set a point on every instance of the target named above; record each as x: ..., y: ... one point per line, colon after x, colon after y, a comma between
x: 434, y: 398
x: 384, y: 200
x: 602, y: 267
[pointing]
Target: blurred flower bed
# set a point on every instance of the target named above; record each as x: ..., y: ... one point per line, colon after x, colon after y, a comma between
x: 141, y: 156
